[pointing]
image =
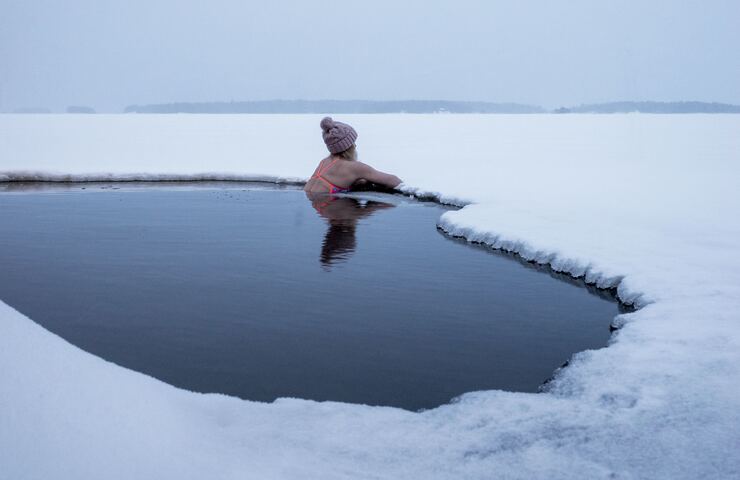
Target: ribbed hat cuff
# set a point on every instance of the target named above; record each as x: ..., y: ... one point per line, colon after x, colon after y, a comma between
x: 343, y: 144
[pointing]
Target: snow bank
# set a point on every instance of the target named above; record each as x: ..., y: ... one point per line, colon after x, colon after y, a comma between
x: 648, y: 204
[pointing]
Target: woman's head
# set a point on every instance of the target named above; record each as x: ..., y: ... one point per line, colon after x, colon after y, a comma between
x: 339, y: 137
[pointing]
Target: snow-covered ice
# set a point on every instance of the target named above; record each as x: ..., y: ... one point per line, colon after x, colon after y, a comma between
x: 646, y: 203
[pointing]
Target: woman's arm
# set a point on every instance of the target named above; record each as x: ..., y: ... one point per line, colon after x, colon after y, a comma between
x: 368, y: 173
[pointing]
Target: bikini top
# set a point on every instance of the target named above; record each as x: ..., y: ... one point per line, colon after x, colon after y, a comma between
x: 332, y: 188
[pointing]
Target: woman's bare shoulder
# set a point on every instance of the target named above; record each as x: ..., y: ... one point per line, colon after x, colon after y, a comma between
x: 359, y: 168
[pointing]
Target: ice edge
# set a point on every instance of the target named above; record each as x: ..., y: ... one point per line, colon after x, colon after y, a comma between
x: 52, y: 177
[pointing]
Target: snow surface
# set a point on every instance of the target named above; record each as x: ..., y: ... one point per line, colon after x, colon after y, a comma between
x: 648, y: 204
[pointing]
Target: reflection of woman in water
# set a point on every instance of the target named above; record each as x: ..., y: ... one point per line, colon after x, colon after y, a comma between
x: 341, y: 214
x: 341, y: 171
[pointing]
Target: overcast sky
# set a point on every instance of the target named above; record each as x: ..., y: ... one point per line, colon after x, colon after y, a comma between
x: 108, y: 54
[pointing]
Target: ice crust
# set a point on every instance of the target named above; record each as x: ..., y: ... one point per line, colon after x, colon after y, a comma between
x: 646, y: 204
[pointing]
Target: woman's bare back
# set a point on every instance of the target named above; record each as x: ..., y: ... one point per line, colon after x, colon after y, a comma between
x: 343, y: 173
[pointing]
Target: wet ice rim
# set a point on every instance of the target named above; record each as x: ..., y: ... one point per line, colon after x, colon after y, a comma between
x: 22, y: 182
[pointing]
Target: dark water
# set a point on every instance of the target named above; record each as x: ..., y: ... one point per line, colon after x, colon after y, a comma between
x: 262, y: 294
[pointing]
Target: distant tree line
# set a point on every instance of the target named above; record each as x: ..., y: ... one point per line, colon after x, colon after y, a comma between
x: 336, y: 106
x: 403, y: 106
x: 69, y: 109
x: 80, y: 109
x: 652, y: 107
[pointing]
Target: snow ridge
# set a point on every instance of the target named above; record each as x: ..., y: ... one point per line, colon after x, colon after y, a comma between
x: 571, y: 266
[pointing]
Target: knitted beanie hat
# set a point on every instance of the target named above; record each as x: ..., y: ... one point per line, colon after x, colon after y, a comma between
x: 338, y: 136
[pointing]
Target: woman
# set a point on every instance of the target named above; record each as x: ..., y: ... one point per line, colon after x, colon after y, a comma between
x: 340, y: 172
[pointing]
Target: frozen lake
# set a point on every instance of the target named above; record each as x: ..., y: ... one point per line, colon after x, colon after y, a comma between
x: 647, y: 204
x: 261, y: 293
